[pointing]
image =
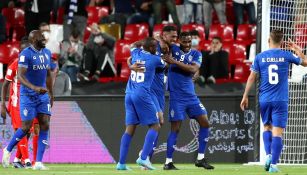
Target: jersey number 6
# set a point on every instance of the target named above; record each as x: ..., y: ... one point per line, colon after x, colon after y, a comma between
x: 273, y: 75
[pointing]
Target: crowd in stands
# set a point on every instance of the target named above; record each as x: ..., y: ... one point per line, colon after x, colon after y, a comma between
x: 86, y: 35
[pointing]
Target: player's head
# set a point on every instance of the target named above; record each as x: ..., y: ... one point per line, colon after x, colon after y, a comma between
x: 169, y: 34
x: 45, y: 29
x: 24, y: 43
x: 150, y: 45
x: 37, y: 39
x: 276, y: 37
x: 185, y: 41
x: 195, y: 38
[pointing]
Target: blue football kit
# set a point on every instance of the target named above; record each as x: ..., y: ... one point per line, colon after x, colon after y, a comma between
x: 183, y: 99
x: 37, y: 64
x: 140, y: 108
x: 272, y: 66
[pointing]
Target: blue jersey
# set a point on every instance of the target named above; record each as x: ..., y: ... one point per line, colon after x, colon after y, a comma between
x: 140, y: 82
x: 180, y: 83
x: 273, y: 68
x: 37, y: 64
x: 158, y: 82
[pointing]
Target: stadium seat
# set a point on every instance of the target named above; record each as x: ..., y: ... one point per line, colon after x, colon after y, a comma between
x: 95, y: 13
x: 122, y: 51
x: 103, y: 11
x: 135, y: 32
x: 111, y: 29
x: 244, y: 32
x: 204, y: 45
x: 199, y: 27
x: 229, y: 47
x: 4, y: 52
x: 300, y: 35
x: 223, y: 31
x: 18, y: 33
x: 157, y: 30
x: 254, y: 33
x: 60, y: 15
x: 19, y: 17
x: 239, y: 52
x: 241, y: 72
x: 125, y: 72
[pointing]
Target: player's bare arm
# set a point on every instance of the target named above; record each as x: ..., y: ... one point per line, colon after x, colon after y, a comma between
x: 4, y: 89
x: 49, y: 86
x: 192, y: 68
x: 136, y: 66
x: 250, y: 81
x: 23, y: 80
x: 297, y: 50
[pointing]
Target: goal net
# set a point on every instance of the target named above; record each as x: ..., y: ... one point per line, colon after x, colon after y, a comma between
x: 290, y: 16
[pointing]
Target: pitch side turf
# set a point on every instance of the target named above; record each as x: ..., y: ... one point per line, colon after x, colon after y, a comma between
x: 109, y: 169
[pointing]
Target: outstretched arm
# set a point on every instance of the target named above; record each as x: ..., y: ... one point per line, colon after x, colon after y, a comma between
x: 249, y: 84
x: 192, y: 68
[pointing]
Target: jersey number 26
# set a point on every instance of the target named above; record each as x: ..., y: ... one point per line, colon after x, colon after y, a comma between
x: 137, y: 76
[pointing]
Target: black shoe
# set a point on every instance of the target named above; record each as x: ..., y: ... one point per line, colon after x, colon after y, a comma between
x: 18, y: 165
x: 170, y: 166
x: 28, y: 165
x: 204, y: 163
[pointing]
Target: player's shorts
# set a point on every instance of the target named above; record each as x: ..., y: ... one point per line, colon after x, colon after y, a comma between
x: 180, y: 107
x: 140, y: 109
x: 274, y: 113
x: 15, y: 116
x: 158, y: 98
x: 32, y: 105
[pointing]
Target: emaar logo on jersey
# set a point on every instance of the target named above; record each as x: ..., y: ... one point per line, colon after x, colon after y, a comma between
x: 40, y: 67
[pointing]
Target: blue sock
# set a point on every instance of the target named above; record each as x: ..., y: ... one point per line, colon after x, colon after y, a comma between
x: 124, y: 147
x: 42, y: 143
x: 150, y: 138
x: 171, y: 142
x: 267, y: 140
x: 19, y: 134
x: 276, y: 149
x: 203, y: 137
x: 154, y: 146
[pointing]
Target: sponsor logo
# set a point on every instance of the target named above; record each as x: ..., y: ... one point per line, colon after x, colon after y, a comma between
x: 45, y: 142
x: 22, y: 58
x: 190, y: 58
x: 40, y: 67
x: 177, y: 53
x: 25, y: 112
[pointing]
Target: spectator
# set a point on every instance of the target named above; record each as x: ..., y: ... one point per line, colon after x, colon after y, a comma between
x: 195, y: 39
x: 215, y: 63
x: 36, y: 12
x: 239, y: 6
x: 2, y: 29
x: 121, y: 11
x: 193, y: 11
x: 97, y: 47
x: 75, y: 18
x: 71, y: 55
x: 53, y: 43
x: 62, y: 84
x: 219, y: 6
x: 171, y: 7
x: 143, y: 13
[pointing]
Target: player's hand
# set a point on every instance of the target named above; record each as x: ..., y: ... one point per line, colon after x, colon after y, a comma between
x: 40, y: 90
x: 195, y: 76
x: 292, y: 46
x: 137, y: 67
x: 3, y: 112
x: 244, y: 103
x: 169, y: 59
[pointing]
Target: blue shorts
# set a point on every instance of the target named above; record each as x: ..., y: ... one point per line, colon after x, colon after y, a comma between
x: 140, y: 109
x: 274, y: 113
x: 31, y: 105
x: 179, y: 108
x: 158, y: 98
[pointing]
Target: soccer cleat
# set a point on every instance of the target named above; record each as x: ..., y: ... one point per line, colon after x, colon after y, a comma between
x: 6, y: 158
x: 204, y: 163
x: 17, y: 165
x: 170, y: 166
x: 273, y: 169
x: 145, y: 163
x: 28, y: 165
x: 120, y: 166
x: 39, y: 166
x: 267, y: 163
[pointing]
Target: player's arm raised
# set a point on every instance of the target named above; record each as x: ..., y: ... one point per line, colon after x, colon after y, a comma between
x: 23, y: 80
x: 49, y: 85
x: 192, y: 68
x: 297, y: 50
x: 250, y: 81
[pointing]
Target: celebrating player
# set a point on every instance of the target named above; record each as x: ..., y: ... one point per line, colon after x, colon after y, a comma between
x: 13, y: 110
x: 139, y: 106
x: 272, y: 66
x: 183, y: 99
x: 34, y: 76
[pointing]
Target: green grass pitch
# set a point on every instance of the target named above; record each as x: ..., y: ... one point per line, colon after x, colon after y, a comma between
x: 109, y: 169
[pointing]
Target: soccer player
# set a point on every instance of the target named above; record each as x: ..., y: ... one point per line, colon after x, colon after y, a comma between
x: 35, y: 98
x: 139, y: 106
x: 13, y: 110
x: 183, y: 66
x: 272, y: 67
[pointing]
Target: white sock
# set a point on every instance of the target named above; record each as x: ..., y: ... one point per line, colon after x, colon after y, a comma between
x: 27, y: 160
x: 268, y: 156
x: 168, y: 160
x: 200, y: 156
x: 16, y: 159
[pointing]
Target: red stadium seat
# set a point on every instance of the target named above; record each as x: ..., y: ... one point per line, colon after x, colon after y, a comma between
x: 239, y: 52
x: 95, y: 13
x: 4, y: 52
x: 300, y: 35
x: 87, y: 33
x: 223, y: 31
x: 200, y: 28
x: 125, y: 72
x: 122, y: 51
x: 215, y: 30
x: 9, y: 14
x: 254, y: 33
x: 18, y: 33
x: 241, y: 73
x: 60, y: 15
x: 204, y: 45
x: 134, y: 32
x: 9, y: 52
x: 244, y: 34
x: 19, y: 16
x: 103, y: 11
x: 229, y: 47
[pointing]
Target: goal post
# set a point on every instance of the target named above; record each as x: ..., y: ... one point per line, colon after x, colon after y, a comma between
x: 290, y: 16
